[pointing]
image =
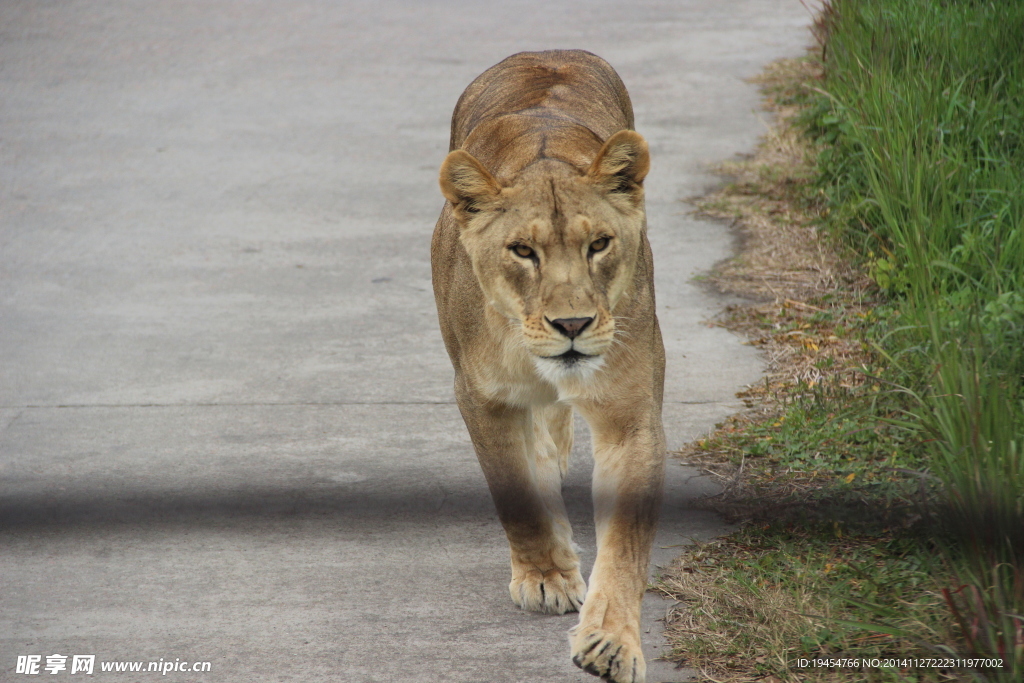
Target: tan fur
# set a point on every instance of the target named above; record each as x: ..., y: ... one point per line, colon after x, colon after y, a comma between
x: 545, y: 222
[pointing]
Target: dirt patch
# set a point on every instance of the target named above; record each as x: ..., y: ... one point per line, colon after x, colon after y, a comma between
x: 807, y: 295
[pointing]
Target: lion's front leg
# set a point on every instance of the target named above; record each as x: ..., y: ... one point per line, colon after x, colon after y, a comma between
x: 524, y: 477
x: 548, y: 582
x: 629, y: 464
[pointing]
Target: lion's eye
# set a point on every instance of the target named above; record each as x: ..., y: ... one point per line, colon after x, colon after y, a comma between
x: 599, y: 245
x: 522, y: 250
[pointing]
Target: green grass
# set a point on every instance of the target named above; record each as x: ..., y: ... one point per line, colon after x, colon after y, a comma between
x: 922, y: 119
x: 919, y: 120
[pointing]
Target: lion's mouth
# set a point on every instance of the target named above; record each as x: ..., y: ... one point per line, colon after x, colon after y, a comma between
x: 570, y: 357
x: 571, y: 364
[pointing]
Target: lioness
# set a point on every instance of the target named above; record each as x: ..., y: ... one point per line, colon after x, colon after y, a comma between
x: 543, y: 279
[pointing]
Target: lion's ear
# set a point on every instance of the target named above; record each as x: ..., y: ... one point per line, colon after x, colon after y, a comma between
x: 621, y: 166
x: 467, y: 184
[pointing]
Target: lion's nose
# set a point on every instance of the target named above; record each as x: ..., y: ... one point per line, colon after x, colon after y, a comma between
x: 571, y: 327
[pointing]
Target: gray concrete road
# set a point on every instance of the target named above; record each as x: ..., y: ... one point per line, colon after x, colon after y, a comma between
x: 227, y: 430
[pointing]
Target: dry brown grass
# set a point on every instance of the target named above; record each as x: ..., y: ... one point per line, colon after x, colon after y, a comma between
x: 772, y: 617
x: 782, y: 255
x: 806, y: 295
x: 713, y: 603
x: 741, y: 617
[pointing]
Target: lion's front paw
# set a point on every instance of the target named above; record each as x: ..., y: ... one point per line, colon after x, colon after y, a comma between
x: 608, y: 655
x: 555, y: 591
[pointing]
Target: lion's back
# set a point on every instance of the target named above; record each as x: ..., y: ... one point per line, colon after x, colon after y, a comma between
x: 555, y: 87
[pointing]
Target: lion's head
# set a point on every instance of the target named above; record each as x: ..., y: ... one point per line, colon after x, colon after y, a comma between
x: 555, y: 248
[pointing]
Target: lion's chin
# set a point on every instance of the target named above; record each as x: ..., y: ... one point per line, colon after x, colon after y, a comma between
x: 571, y: 365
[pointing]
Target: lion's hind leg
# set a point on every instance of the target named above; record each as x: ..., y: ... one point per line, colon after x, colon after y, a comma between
x: 559, y: 423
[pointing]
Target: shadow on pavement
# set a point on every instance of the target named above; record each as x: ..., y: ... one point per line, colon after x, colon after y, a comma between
x: 71, y: 512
